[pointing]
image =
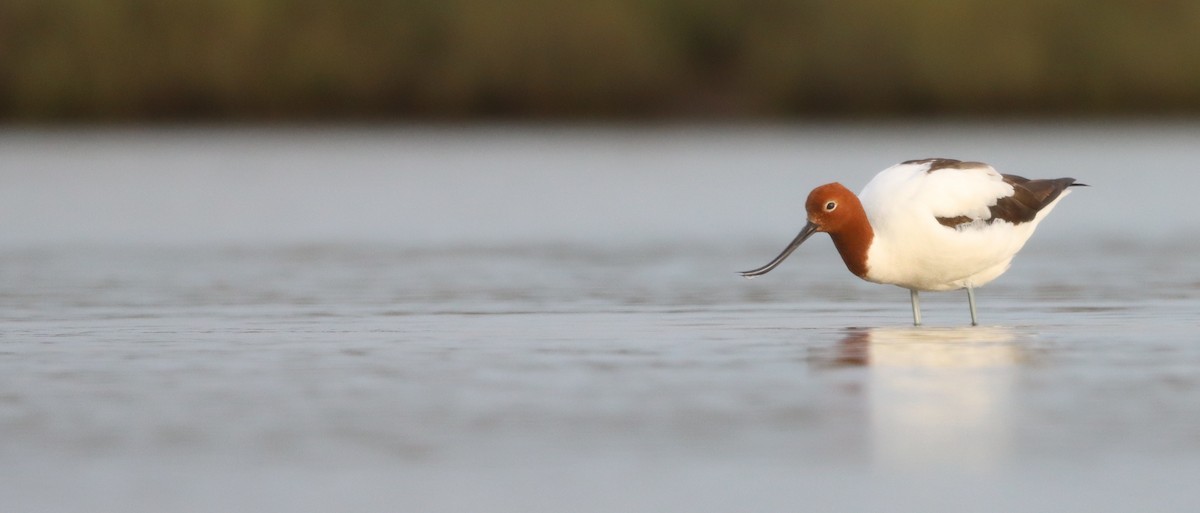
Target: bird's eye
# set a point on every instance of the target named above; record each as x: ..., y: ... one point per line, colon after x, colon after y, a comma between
x: 830, y: 206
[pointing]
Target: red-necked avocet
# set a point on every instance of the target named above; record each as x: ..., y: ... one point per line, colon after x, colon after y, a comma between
x: 932, y: 224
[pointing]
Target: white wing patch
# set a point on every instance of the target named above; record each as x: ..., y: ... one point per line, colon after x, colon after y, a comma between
x: 935, y: 188
x: 967, y: 192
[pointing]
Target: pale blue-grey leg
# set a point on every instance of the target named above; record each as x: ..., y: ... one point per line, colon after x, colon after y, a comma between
x: 916, y: 304
x: 971, y: 302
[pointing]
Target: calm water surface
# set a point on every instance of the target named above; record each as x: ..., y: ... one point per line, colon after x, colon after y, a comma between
x: 548, y: 319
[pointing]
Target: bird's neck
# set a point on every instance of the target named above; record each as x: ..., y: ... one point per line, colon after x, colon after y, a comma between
x: 853, y: 240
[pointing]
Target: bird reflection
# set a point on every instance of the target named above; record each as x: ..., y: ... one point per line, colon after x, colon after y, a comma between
x: 938, y: 399
x: 927, y: 347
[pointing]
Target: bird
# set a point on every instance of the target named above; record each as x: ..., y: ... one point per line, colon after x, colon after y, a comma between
x: 934, y: 224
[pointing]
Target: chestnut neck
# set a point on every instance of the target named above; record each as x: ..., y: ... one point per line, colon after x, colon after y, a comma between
x: 852, y: 239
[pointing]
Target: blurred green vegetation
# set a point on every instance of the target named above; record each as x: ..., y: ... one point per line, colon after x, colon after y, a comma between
x: 539, y: 59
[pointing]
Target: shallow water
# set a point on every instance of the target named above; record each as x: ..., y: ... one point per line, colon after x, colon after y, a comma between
x: 521, y: 319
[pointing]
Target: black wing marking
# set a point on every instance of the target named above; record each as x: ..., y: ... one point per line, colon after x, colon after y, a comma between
x: 943, y: 163
x: 1029, y: 197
